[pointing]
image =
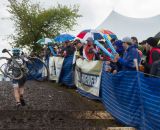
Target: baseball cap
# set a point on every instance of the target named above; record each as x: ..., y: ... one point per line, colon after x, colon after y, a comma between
x: 127, y: 40
x: 90, y: 39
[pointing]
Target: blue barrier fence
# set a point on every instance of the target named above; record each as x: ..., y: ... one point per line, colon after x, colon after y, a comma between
x: 131, y: 97
x: 120, y: 95
x: 150, y: 97
x: 67, y: 73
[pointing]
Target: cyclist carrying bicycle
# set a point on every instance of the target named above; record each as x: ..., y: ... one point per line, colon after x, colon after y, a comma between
x: 18, y: 85
x: 19, y: 67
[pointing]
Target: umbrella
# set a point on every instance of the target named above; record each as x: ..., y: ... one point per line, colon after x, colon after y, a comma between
x: 63, y: 38
x: 96, y: 35
x: 109, y: 34
x: 44, y: 41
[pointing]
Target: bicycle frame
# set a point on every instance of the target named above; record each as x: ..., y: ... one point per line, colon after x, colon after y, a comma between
x: 14, y: 61
x: 23, y: 68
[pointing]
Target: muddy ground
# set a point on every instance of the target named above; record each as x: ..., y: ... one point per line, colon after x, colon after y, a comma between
x: 52, y: 107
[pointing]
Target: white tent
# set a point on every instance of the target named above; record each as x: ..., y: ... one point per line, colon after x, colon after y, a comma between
x: 123, y: 26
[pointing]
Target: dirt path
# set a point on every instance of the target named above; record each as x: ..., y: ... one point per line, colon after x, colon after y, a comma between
x: 49, y: 107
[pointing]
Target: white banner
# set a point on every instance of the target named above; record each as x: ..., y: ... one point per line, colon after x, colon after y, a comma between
x: 55, y: 67
x: 88, y: 76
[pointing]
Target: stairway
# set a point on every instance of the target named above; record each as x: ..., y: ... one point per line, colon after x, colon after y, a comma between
x: 51, y: 107
x: 59, y: 120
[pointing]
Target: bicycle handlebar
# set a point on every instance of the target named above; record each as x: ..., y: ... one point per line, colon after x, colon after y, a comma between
x: 6, y: 50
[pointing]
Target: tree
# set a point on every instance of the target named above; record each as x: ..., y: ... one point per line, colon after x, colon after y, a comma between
x: 32, y: 22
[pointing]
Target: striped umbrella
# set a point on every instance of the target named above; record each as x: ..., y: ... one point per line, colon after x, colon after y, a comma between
x: 96, y: 35
x: 44, y: 41
x: 109, y: 34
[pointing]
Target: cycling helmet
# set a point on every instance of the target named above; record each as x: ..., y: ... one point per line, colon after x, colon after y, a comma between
x: 16, y: 52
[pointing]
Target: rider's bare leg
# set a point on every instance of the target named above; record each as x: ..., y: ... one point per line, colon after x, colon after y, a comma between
x: 17, y: 94
x: 21, y: 90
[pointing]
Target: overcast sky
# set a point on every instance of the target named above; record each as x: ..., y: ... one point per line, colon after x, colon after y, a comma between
x: 94, y: 12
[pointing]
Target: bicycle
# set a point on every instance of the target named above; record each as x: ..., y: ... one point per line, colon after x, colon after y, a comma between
x: 32, y: 67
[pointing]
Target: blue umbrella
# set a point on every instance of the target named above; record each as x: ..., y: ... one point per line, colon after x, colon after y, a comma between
x: 64, y: 37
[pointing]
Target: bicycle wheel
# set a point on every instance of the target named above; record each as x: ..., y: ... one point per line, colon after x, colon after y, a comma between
x: 37, y: 69
x: 8, y: 70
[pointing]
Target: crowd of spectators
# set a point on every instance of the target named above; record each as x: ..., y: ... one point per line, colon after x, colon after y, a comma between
x: 131, y: 55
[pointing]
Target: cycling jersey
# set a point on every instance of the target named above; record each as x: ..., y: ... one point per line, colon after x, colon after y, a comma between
x: 16, y: 71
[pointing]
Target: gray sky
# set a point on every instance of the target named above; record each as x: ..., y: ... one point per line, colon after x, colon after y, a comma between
x: 94, y: 12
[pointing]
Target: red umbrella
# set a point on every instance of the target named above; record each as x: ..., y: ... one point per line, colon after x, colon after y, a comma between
x: 96, y: 35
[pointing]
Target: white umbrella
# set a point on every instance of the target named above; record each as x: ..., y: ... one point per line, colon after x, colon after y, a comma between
x: 44, y: 41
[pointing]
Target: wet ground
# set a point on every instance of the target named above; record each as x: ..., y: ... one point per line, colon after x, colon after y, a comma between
x: 52, y: 107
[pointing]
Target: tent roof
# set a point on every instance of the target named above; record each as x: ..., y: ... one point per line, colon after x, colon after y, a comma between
x: 157, y: 35
x: 123, y: 26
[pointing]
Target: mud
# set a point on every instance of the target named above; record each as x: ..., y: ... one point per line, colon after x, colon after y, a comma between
x: 51, y: 106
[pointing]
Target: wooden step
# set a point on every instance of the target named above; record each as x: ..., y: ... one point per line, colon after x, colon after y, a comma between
x: 56, y: 119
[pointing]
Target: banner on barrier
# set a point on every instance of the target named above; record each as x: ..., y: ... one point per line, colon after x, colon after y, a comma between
x: 55, y: 67
x: 88, y: 76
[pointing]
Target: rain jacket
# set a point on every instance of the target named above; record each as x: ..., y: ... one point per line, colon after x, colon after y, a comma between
x: 119, y: 46
x: 152, y: 56
x: 155, y: 69
x: 127, y: 61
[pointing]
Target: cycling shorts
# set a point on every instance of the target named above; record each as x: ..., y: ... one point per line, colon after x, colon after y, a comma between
x: 19, y: 82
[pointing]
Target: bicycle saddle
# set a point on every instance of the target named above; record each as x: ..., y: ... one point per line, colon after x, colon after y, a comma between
x: 4, y: 50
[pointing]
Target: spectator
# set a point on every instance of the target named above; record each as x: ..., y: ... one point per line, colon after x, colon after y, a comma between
x: 118, y: 45
x: 115, y: 67
x: 153, y: 53
x: 88, y: 52
x: 135, y: 41
x: 154, y: 50
x: 69, y: 49
x: 143, y: 48
x: 112, y: 67
x: 136, y: 45
x: 101, y: 54
x: 130, y: 55
x: 79, y: 47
